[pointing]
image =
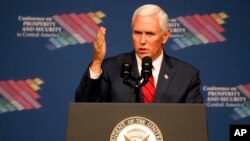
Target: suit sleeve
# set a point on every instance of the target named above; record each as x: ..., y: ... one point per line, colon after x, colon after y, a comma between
x: 87, y: 89
x: 93, y: 90
x: 194, y: 94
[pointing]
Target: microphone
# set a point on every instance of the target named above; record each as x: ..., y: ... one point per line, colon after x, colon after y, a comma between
x: 126, y: 68
x: 146, y: 71
x: 127, y: 76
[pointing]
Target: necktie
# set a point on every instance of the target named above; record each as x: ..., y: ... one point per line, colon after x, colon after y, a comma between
x: 148, y: 90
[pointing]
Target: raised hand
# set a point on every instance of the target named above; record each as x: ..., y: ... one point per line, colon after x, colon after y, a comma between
x: 99, y: 50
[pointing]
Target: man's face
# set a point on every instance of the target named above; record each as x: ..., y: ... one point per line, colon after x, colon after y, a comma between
x: 148, y: 38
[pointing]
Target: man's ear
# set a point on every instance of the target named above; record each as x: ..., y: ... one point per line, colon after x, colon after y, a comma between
x: 166, y: 35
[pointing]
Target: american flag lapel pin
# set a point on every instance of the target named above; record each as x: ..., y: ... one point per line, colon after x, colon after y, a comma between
x: 166, y: 76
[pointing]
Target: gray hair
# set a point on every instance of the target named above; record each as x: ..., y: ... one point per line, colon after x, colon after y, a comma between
x: 151, y: 9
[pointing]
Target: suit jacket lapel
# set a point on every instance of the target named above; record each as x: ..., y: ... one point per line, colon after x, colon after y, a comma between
x: 134, y: 72
x: 165, y: 76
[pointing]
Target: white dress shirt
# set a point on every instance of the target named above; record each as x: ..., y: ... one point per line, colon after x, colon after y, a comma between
x: 156, y: 67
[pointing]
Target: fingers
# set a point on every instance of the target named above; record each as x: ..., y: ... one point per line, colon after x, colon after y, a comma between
x: 99, y: 50
x: 101, y: 32
x: 100, y: 38
x: 99, y: 46
x: 100, y: 35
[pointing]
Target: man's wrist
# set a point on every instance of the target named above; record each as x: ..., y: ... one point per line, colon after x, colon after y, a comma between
x: 94, y: 75
x: 96, y: 67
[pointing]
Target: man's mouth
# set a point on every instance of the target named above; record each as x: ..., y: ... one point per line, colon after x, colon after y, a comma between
x: 142, y: 50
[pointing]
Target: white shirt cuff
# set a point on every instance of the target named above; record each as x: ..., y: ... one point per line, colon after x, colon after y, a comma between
x: 94, y: 75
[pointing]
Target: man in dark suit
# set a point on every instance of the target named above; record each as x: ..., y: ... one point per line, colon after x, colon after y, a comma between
x: 175, y: 81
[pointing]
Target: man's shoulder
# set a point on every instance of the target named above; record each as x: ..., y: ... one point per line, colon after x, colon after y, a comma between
x: 179, y: 64
x: 118, y: 59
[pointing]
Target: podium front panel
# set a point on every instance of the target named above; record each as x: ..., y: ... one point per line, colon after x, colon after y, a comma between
x: 104, y: 121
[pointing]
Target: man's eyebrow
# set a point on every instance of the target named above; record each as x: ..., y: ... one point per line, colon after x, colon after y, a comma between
x: 137, y: 31
x: 147, y: 32
x: 152, y: 33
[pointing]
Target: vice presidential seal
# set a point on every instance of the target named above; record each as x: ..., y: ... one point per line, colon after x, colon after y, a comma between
x: 136, y: 129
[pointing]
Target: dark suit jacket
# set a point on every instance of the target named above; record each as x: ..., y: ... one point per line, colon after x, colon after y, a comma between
x: 178, y: 82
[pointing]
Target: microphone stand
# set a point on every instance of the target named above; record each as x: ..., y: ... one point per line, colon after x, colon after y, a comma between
x: 136, y: 87
x: 145, y: 74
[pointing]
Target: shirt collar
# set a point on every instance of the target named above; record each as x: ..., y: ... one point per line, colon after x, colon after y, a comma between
x: 156, y: 63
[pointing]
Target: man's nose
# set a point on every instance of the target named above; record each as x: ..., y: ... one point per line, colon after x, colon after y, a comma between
x: 143, y: 39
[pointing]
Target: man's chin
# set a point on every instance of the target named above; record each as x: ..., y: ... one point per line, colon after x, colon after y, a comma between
x: 143, y: 55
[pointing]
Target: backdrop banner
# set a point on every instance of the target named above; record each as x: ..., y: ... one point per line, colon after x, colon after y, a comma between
x: 46, y: 46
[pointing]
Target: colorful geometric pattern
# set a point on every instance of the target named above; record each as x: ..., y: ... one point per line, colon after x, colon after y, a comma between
x: 245, y: 89
x: 19, y: 95
x: 200, y: 29
x: 242, y: 112
x: 78, y: 29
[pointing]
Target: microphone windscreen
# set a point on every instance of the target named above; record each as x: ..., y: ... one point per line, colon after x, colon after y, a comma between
x: 147, y: 59
x: 126, y: 68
